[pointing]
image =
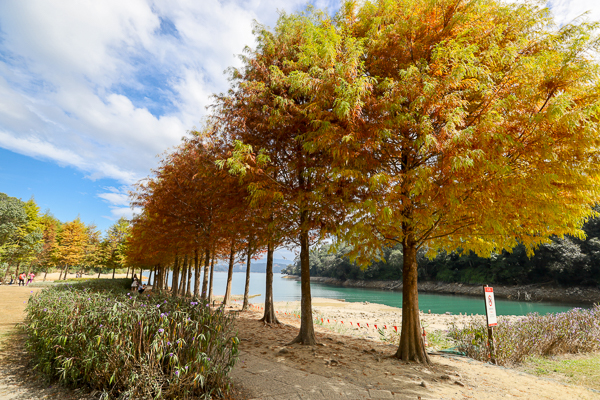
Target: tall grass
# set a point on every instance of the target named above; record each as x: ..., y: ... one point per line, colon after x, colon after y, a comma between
x: 575, y: 331
x: 131, y: 346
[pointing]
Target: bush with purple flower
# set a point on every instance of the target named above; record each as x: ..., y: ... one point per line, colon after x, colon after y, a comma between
x: 105, y: 340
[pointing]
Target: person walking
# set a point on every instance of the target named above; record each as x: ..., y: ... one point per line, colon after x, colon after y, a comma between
x: 22, y: 278
x: 30, y: 278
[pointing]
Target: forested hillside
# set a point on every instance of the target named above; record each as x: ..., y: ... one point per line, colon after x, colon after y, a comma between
x: 564, y: 261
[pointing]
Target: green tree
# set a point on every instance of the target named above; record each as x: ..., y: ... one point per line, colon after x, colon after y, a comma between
x: 275, y: 121
x: 72, y: 244
x: 115, y: 244
x: 480, y: 132
x: 48, y: 256
x: 13, y: 217
x: 92, y: 252
x: 27, y: 240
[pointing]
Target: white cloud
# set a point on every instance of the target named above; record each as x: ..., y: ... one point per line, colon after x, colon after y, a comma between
x: 105, y: 86
x: 566, y: 11
x: 118, y: 202
x: 118, y: 212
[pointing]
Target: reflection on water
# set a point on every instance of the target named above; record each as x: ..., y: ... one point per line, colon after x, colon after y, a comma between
x: 289, y: 290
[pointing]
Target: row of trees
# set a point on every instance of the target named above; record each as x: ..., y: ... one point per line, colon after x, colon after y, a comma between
x: 422, y: 123
x: 34, y: 242
x: 564, y: 261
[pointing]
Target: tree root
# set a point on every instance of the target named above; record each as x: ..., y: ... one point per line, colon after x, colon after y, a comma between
x: 298, y: 339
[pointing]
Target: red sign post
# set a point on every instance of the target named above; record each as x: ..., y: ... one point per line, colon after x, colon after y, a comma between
x: 490, y: 313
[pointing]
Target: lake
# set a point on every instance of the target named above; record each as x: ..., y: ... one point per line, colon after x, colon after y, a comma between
x: 289, y: 290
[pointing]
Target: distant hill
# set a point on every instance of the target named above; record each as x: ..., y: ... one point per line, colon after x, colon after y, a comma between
x: 256, y: 266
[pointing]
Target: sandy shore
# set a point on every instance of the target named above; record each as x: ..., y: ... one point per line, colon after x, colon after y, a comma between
x: 359, y: 355
x: 364, y: 319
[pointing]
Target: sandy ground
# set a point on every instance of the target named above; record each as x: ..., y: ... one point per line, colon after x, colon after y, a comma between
x: 357, y: 355
x: 17, y: 379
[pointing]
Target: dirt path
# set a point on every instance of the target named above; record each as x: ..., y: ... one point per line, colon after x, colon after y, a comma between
x: 17, y: 380
x: 341, y: 359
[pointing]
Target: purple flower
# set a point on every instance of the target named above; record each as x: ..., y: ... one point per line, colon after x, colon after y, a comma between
x: 176, y: 372
x: 128, y: 294
x: 170, y: 354
x: 168, y: 343
x: 186, y: 367
x: 161, y: 330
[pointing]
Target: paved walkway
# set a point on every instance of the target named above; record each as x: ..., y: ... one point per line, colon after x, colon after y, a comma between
x: 268, y: 380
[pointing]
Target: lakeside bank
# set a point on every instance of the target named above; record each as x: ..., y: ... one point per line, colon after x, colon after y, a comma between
x: 527, y: 293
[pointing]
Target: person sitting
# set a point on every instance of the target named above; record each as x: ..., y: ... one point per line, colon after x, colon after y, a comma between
x: 141, y: 289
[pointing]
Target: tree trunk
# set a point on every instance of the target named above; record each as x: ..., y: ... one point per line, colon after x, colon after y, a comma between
x: 183, y: 279
x: 196, y: 274
x: 45, y: 274
x: 269, y: 317
x: 307, y: 330
x: 188, y: 291
x: 66, y: 272
x: 412, y: 347
x: 152, y: 271
x: 205, y: 278
x: 17, y: 272
x: 175, y: 280
x: 210, y: 284
x: 114, y: 269
x: 127, y: 275
x: 158, y: 278
x: 227, y: 298
x: 59, y: 275
x: 247, y: 287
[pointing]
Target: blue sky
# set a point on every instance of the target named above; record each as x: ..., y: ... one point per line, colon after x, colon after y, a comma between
x: 92, y: 91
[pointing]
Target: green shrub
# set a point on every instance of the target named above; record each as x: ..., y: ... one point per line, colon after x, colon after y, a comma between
x: 131, y: 346
x: 574, y: 331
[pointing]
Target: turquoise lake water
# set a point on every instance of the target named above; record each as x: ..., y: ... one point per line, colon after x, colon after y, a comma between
x: 289, y: 290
